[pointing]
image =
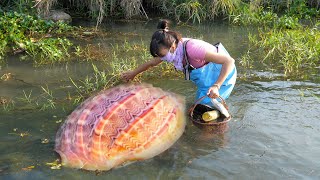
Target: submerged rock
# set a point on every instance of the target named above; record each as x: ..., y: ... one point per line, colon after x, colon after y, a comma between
x: 121, y: 125
x: 58, y: 15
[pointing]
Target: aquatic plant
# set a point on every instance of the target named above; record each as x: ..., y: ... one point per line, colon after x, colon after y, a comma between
x: 294, y: 6
x: 191, y: 9
x: 21, y: 6
x: 303, y: 9
x: 91, y: 52
x: 139, y: 54
x: 26, y: 97
x: 99, y: 9
x: 135, y: 54
x: 309, y: 92
x: 246, y: 16
x: 7, y: 104
x: 292, y: 50
x: 49, y: 99
x: 195, y: 10
x: 43, y: 101
x: 246, y: 60
x: 92, y: 83
x: 223, y: 7
x: 287, y: 22
x: 21, y: 32
x: 49, y: 50
x: 102, y: 79
x: 99, y: 79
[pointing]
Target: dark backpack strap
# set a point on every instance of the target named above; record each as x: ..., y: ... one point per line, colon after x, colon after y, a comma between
x: 186, y: 68
x: 217, y: 46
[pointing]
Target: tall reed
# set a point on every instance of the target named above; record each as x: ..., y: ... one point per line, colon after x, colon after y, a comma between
x: 293, y: 51
x: 223, y: 7
x: 195, y: 10
x: 191, y: 9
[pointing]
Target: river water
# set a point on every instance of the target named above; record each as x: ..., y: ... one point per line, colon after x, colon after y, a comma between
x: 274, y: 132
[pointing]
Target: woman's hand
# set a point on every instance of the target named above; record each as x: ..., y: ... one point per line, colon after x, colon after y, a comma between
x: 213, y: 91
x: 127, y: 76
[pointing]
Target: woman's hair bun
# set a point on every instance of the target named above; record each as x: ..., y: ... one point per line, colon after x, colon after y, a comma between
x: 163, y: 24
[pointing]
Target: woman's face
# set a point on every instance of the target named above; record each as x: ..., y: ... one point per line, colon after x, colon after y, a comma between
x: 164, y: 50
x: 173, y: 47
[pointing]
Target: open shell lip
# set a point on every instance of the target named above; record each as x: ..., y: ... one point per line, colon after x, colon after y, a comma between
x: 200, y: 109
x: 122, y: 124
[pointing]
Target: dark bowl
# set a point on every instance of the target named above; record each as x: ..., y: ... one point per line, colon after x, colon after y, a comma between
x: 218, y: 126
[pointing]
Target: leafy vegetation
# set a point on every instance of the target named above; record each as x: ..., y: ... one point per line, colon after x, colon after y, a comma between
x: 192, y: 9
x: 291, y: 50
x: 245, y: 16
x: 99, y: 79
x: 195, y: 10
x: 287, y: 38
x: 21, y: 32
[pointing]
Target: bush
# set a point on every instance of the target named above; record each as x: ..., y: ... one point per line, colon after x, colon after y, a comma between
x: 21, y: 32
x: 292, y: 50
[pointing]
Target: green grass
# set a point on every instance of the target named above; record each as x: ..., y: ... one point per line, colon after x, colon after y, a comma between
x: 292, y: 51
x: 193, y: 10
x: 283, y: 42
x: 36, y: 37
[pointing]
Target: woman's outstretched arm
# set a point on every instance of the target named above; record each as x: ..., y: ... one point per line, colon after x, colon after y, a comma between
x: 129, y: 75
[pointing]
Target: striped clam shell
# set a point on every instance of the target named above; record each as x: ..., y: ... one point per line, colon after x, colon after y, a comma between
x: 120, y: 125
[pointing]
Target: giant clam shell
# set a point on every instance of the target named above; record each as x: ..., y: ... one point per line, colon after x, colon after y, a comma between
x: 120, y: 125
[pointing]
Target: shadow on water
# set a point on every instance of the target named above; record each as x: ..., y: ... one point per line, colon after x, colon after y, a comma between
x: 273, y: 132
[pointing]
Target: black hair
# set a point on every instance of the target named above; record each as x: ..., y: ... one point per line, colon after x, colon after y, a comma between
x: 163, y: 38
x: 163, y: 24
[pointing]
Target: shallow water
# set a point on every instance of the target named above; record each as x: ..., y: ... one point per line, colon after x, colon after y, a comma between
x: 273, y: 133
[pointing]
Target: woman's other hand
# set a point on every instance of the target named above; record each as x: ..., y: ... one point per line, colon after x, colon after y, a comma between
x: 213, y: 91
x: 129, y: 75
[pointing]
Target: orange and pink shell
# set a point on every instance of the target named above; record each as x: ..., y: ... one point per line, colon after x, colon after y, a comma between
x: 120, y: 125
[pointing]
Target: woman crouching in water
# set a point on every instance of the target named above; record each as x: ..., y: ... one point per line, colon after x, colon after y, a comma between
x: 209, y: 66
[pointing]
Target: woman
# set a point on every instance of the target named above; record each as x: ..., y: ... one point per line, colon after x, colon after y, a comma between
x: 210, y: 67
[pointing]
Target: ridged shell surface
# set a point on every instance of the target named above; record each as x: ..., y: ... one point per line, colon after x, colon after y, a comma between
x: 120, y: 125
